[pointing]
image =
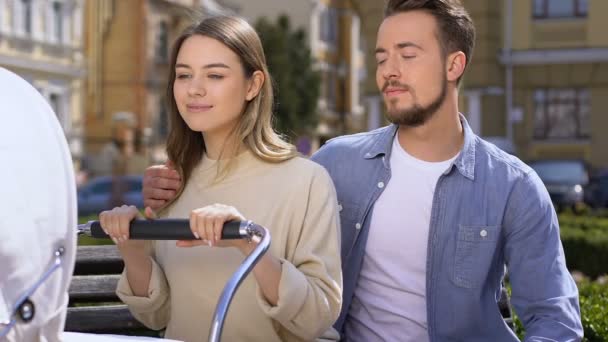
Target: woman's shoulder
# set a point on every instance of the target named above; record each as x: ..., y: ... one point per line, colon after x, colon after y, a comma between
x: 305, y: 172
x: 304, y: 166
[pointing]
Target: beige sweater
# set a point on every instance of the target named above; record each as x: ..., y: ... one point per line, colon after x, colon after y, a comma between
x: 296, y: 201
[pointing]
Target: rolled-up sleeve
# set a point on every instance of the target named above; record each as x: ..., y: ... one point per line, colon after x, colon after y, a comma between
x: 545, y: 296
x: 310, y: 288
x: 153, y: 310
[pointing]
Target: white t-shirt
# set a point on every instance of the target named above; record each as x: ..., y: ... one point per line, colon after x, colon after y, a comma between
x: 389, y: 303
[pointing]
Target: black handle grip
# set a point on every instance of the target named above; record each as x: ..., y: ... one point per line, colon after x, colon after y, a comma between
x: 167, y: 229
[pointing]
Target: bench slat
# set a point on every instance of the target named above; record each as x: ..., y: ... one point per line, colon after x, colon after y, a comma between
x: 98, y: 260
x: 101, y: 319
x: 95, y: 288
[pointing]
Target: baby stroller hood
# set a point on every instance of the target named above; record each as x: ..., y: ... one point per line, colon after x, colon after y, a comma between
x: 37, y: 213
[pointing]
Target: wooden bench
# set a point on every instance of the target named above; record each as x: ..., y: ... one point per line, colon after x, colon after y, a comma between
x: 94, y: 306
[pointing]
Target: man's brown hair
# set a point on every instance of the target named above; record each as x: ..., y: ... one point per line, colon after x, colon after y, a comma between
x: 456, y: 29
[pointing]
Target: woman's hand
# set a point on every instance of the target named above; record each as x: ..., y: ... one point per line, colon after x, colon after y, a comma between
x: 206, y: 224
x: 116, y: 222
x: 138, y: 265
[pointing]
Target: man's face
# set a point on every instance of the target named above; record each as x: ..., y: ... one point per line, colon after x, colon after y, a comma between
x: 411, y: 72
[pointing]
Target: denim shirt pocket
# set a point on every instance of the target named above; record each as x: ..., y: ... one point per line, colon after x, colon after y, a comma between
x: 349, y: 214
x: 475, y: 247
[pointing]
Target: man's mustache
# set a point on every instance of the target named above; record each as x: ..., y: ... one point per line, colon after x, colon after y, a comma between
x: 395, y: 84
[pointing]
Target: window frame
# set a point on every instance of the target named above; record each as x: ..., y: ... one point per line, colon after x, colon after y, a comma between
x: 554, y: 96
x: 577, y: 10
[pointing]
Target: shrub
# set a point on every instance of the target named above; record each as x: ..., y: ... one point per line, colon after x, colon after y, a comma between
x: 585, y: 241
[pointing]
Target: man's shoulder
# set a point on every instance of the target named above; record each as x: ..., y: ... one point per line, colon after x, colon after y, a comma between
x: 352, y: 143
x: 497, y: 160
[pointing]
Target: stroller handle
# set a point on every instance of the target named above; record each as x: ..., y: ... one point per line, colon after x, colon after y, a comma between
x: 170, y: 229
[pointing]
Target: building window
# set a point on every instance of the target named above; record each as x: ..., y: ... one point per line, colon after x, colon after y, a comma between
x: 561, y: 114
x: 2, y: 9
x: 329, y: 25
x: 54, y: 102
x: 331, y: 95
x: 162, y: 46
x: 58, y: 21
x: 163, y: 122
x: 27, y: 16
x: 543, y: 9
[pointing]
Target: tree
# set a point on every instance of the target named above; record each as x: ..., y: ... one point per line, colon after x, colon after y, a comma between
x: 296, y: 84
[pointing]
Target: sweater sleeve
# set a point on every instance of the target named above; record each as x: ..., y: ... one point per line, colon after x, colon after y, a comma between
x: 310, y: 288
x: 153, y: 310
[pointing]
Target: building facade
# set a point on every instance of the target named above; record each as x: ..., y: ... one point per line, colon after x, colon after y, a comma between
x: 546, y: 64
x: 128, y: 46
x: 42, y: 41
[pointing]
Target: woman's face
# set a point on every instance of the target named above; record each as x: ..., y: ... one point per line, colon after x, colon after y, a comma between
x: 210, y: 87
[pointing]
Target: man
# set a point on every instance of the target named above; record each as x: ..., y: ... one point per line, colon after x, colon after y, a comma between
x: 431, y: 214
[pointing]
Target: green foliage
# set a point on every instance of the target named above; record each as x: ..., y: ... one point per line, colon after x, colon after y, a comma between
x: 297, y: 85
x: 585, y: 241
x: 594, y: 308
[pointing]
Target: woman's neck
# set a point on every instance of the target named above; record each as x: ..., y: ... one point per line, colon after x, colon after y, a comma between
x: 221, y: 146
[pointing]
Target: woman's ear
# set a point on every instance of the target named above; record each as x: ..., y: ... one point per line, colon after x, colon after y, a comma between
x: 256, y: 81
x: 455, y: 65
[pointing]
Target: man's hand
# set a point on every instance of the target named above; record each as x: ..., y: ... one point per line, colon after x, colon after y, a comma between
x: 161, y: 183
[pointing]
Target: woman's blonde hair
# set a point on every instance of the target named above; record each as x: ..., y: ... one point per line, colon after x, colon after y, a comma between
x: 185, y: 147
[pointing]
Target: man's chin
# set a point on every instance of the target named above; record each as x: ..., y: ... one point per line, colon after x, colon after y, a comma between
x: 405, y: 118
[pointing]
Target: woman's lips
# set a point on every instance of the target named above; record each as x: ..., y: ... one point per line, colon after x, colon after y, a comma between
x: 196, y: 108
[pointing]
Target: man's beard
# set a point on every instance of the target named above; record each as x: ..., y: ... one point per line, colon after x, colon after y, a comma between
x: 416, y: 115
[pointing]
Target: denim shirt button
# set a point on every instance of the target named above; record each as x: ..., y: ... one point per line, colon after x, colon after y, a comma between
x: 358, y: 226
x: 483, y: 233
x: 339, y: 207
x: 381, y: 185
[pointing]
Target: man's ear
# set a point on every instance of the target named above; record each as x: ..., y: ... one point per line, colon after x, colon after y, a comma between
x: 455, y: 64
x: 255, y: 85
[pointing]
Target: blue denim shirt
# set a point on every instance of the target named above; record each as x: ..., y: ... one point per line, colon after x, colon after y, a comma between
x: 490, y: 210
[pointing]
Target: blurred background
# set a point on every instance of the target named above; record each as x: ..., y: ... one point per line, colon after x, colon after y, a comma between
x: 537, y: 87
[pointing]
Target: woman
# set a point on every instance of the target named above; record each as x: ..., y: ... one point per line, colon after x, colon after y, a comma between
x: 222, y: 143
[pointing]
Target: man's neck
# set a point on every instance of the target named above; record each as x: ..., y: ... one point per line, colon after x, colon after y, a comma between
x: 439, y: 139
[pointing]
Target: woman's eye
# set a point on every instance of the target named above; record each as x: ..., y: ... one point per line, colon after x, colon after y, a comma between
x: 408, y: 56
x: 182, y: 76
x: 216, y: 77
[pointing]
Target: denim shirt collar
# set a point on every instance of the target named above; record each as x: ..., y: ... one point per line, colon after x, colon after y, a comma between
x: 466, y: 160
x: 383, y: 145
x: 465, y: 163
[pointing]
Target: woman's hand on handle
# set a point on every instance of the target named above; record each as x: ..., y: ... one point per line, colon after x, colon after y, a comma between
x: 207, y: 223
x: 116, y: 223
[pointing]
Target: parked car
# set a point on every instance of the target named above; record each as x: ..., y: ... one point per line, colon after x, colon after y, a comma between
x: 596, y: 192
x: 105, y: 192
x: 565, y: 181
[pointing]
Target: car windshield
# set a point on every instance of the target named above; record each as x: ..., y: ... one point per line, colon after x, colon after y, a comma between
x: 561, y: 171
